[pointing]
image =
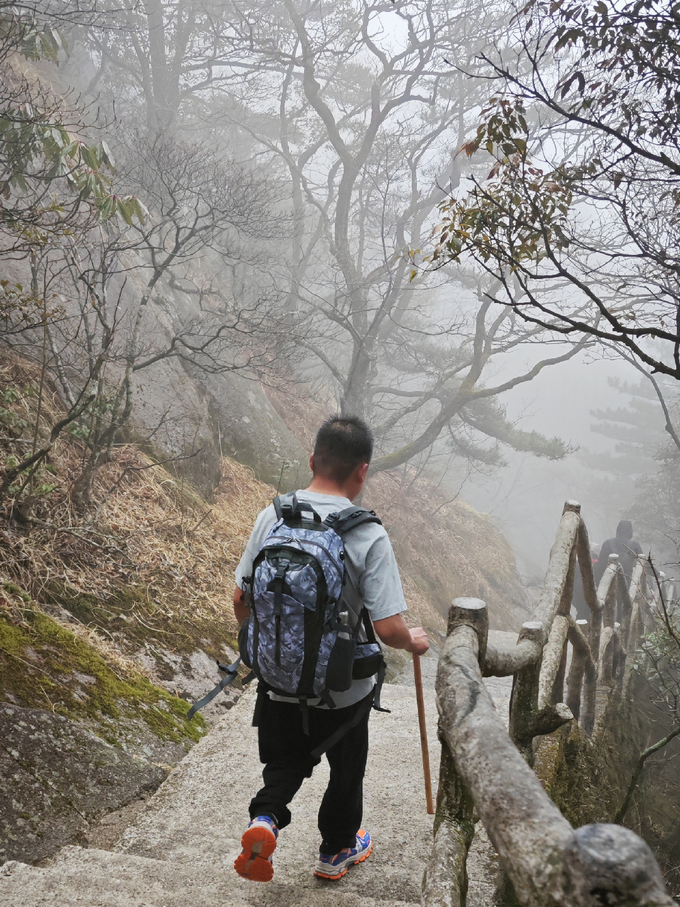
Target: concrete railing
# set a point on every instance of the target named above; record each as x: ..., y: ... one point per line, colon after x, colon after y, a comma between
x: 486, y: 769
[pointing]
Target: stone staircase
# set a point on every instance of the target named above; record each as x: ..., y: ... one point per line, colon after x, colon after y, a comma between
x: 180, y: 850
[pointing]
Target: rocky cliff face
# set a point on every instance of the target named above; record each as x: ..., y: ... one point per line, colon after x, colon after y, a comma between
x: 57, y: 779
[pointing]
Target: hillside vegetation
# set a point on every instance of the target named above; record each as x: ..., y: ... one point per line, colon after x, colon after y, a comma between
x: 110, y: 622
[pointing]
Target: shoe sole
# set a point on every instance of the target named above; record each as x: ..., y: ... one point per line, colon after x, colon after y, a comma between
x: 253, y: 863
x: 360, y: 859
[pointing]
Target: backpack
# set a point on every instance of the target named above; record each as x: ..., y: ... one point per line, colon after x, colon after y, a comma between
x: 298, y: 639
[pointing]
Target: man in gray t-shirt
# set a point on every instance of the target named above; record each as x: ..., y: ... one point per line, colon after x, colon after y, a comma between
x: 339, y: 464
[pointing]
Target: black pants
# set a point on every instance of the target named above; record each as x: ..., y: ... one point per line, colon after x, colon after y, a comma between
x: 286, y: 752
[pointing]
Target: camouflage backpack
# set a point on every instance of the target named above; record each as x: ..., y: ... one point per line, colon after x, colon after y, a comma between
x: 298, y: 639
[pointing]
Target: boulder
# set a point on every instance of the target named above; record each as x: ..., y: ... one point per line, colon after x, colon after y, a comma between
x: 57, y: 777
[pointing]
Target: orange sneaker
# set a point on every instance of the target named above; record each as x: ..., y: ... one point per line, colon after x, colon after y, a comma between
x: 259, y: 843
x: 334, y: 866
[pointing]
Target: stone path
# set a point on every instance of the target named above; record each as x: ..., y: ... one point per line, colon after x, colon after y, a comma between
x: 180, y: 850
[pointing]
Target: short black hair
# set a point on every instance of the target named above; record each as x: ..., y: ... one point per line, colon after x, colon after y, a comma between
x: 342, y: 443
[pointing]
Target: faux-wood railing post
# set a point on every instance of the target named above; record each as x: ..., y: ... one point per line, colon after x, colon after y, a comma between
x: 638, y: 590
x: 626, y: 610
x: 445, y: 878
x: 580, y: 694
x: 610, y: 586
x: 524, y: 696
x: 564, y: 611
x: 585, y: 565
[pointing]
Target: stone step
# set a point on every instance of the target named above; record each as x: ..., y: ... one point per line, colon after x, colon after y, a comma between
x: 181, y: 847
x: 99, y: 878
x: 199, y: 813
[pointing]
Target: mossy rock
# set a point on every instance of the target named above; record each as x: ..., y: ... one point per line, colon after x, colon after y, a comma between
x: 587, y: 778
x: 44, y: 665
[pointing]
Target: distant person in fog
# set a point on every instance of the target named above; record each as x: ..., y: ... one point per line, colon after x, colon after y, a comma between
x: 622, y: 544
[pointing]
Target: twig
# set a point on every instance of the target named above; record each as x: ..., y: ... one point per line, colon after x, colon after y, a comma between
x: 204, y: 517
x: 40, y: 454
x: 640, y: 764
x: 140, y: 621
x: 129, y: 469
x: 74, y: 532
x: 446, y: 504
x: 666, y: 616
x: 35, y: 668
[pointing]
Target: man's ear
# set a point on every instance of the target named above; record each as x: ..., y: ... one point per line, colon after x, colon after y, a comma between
x: 311, y: 462
x: 361, y: 471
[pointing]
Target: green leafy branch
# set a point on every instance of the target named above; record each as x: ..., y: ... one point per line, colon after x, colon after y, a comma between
x: 36, y: 148
x: 32, y: 38
x: 518, y: 210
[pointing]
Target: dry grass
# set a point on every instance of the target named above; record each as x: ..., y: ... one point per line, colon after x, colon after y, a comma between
x: 150, y: 530
x: 147, y: 529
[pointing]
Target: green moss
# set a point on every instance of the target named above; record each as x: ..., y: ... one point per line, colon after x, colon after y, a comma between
x: 38, y: 666
x: 587, y: 778
x: 13, y: 589
x: 12, y: 640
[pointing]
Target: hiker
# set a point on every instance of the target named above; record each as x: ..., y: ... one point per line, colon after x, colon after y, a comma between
x: 622, y: 544
x: 293, y: 731
x: 628, y: 551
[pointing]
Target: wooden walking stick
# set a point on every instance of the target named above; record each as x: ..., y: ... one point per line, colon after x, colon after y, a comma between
x: 418, y: 677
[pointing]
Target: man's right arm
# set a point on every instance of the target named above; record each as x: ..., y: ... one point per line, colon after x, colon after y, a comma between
x: 394, y: 633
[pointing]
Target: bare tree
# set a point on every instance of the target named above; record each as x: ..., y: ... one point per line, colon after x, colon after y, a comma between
x: 198, y: 206
x: 357, y: 109
x: 166, y: 52
x: 366, y: 115
x: 577, y: 217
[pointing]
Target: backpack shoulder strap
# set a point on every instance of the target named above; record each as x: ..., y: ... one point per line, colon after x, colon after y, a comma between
x: 382, y: 670
x: 368, y: 625
x: 350, y: 518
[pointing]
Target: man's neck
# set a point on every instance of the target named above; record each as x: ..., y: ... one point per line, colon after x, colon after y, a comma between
x: 322, y: 485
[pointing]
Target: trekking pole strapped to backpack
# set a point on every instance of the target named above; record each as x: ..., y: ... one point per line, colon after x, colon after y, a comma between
x: 230, y: 672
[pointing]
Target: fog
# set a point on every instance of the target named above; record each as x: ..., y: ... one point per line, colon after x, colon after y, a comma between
x: 299, y: 193
x: 452, y: 221
x: 526, y: 496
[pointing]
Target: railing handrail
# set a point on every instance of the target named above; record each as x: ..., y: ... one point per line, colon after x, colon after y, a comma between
x: 487, y: 770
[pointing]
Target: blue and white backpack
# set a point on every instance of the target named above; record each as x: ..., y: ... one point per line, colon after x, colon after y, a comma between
x: 298, y: 639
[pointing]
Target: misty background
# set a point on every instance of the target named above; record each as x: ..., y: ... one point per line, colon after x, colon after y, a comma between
x: 259, y: 186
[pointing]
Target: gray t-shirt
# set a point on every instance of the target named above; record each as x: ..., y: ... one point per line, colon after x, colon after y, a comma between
x: 372, y: 574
